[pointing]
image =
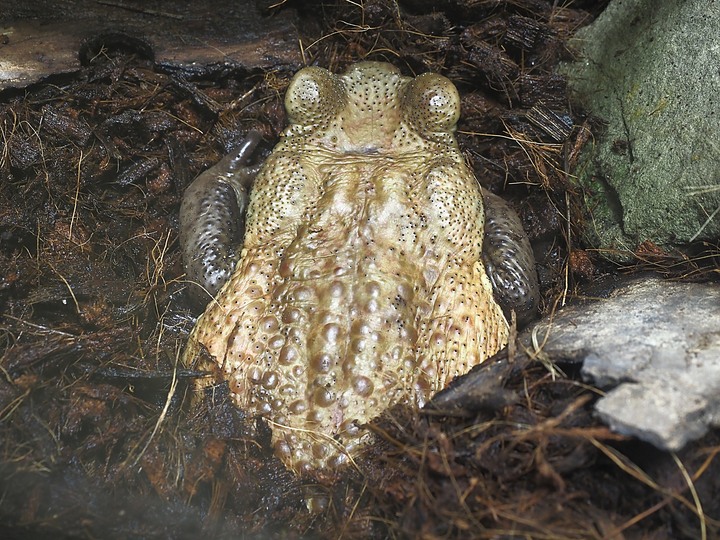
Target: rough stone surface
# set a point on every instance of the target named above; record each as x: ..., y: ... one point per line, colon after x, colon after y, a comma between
x: 656, y: 346
x: 650, y: 71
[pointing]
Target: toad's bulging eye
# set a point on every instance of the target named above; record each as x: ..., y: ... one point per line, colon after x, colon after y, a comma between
x: 432, y: 103
x: 314, y: 96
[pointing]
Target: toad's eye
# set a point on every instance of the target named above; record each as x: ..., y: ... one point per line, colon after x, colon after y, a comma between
x: 431, y: 104
x: 314, y: 96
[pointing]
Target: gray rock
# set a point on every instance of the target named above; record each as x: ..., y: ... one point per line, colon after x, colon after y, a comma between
x: 656, y: 345
x: 650, y: 71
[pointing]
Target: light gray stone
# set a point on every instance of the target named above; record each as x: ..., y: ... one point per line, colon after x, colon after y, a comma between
x: 649, y: 70
x: 655, y: 345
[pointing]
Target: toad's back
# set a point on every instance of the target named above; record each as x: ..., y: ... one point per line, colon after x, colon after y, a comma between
x: 360, y: 285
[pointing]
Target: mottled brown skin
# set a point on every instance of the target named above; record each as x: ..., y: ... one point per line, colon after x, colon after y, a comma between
x: 360, y: 284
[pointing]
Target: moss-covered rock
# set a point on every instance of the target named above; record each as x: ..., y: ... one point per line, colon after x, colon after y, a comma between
x: 649, y: 70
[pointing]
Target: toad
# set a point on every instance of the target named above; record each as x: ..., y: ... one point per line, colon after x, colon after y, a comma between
x: 365, y: 275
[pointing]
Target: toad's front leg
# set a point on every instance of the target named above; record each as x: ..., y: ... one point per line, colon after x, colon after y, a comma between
x: 212, y: 221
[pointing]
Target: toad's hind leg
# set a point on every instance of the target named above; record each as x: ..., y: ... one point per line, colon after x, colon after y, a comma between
x: 467, y: 326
